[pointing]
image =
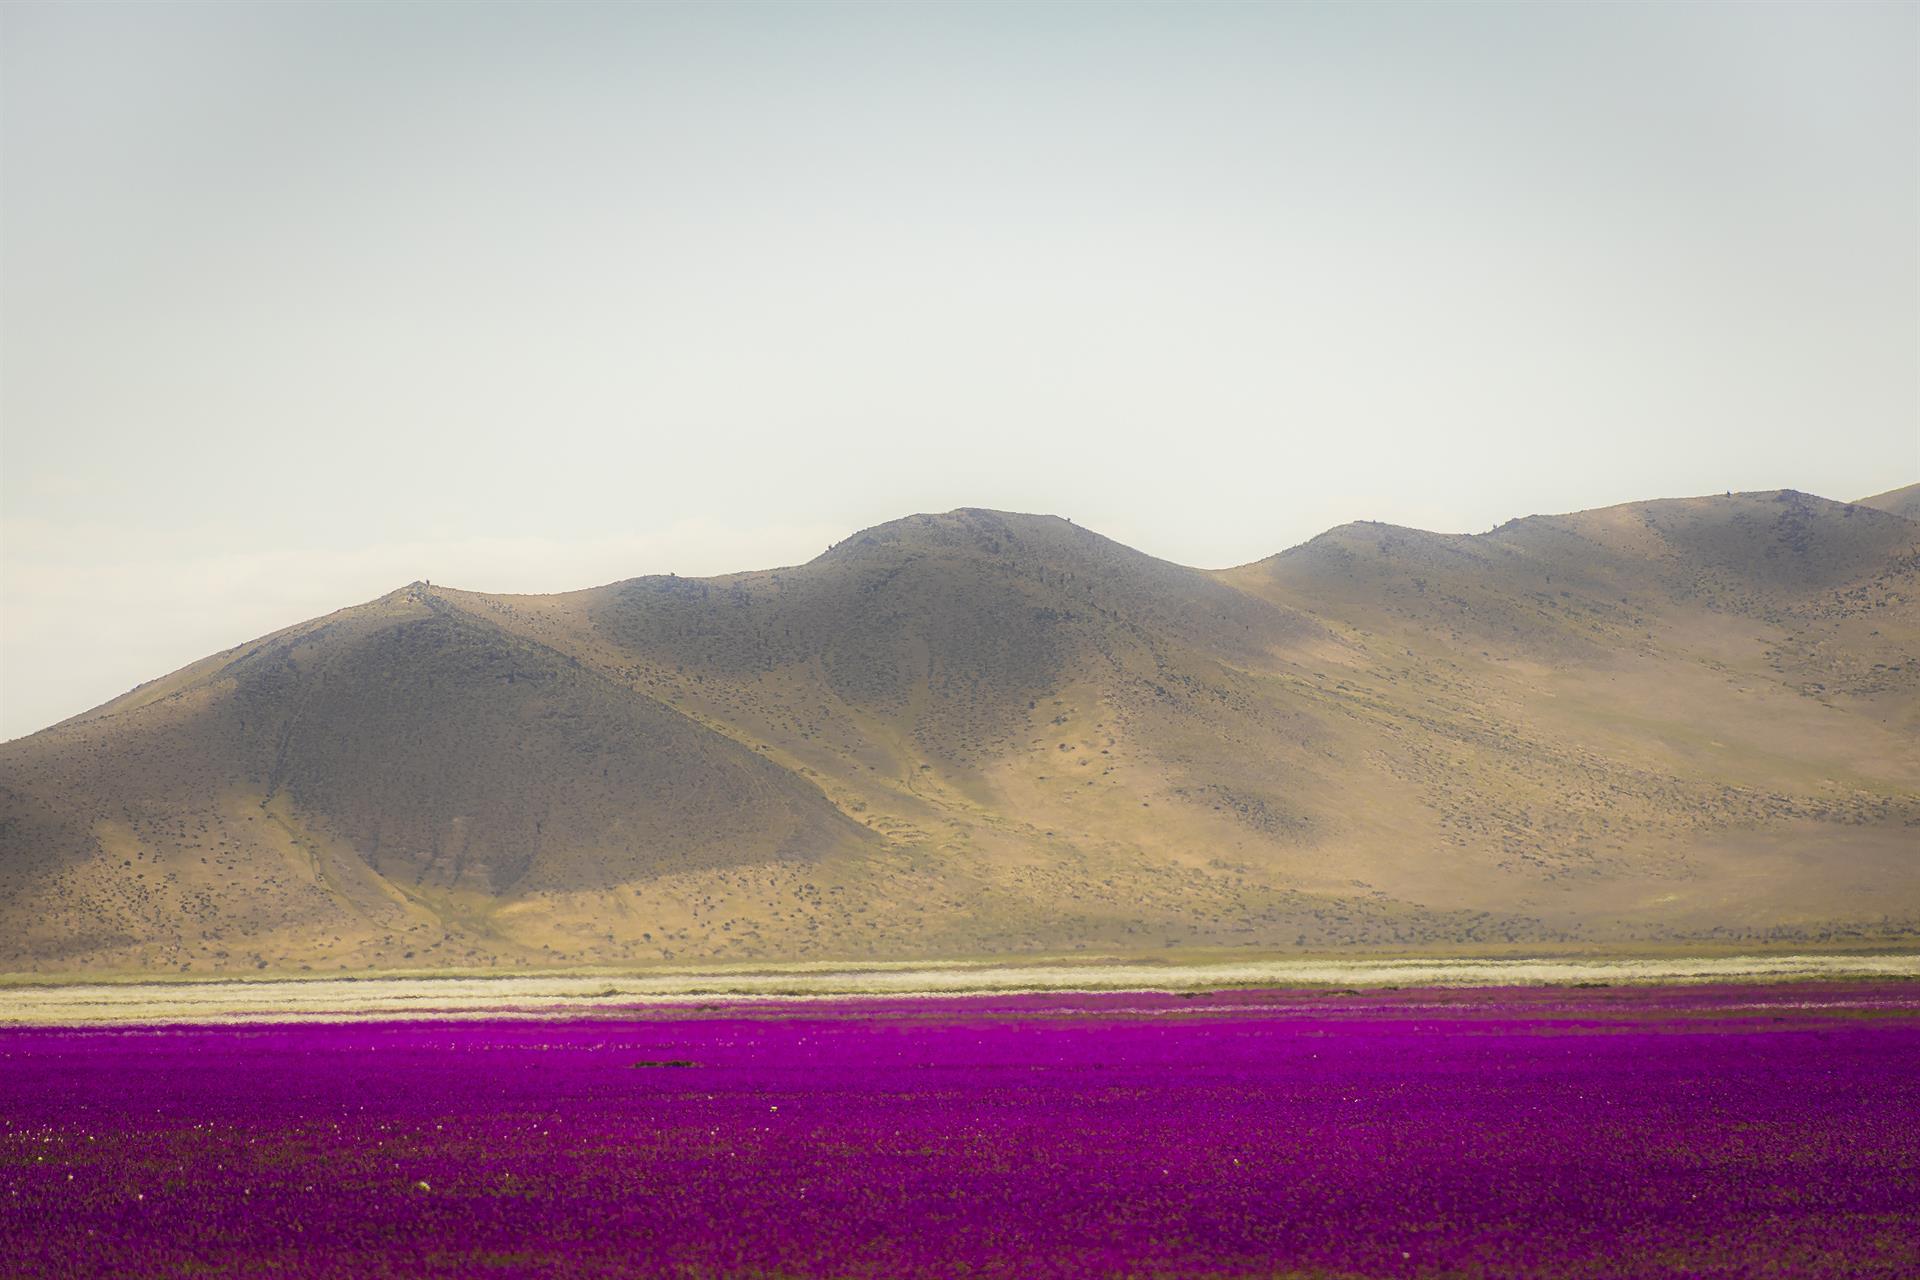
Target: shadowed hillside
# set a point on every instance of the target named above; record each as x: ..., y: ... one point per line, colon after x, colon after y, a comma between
x: 984, y: 733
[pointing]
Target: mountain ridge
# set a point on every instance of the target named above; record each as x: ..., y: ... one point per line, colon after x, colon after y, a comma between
x: 984, y: 732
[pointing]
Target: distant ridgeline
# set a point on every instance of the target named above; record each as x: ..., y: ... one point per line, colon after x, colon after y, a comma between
x: 1684, y: 722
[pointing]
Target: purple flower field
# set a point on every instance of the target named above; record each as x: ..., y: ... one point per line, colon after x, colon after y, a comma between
x: 1654, y: 1131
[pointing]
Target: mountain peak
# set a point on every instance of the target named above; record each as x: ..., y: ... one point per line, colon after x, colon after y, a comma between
x: 976, y: 529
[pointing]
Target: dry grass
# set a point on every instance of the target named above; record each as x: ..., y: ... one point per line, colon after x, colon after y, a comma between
x: 587, y: 994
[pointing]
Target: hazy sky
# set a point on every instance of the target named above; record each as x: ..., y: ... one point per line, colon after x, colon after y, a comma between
x: 301, y: 302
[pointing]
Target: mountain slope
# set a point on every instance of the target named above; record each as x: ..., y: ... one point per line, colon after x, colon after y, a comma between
x: 349, y: 775
x: 1904, y: 501
x: 983, y: 733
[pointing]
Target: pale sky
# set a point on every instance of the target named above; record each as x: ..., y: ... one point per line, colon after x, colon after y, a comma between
x: 299, y: 303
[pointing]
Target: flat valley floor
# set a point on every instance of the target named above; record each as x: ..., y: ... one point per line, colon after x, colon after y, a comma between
x: 1725, y: 1129
x: 26, y: 998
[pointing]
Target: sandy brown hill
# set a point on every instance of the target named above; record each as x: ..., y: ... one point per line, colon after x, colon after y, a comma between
x: 344, y: 780
x: 950, y: 625
x: 982, y: 733
x: 1904, y: 501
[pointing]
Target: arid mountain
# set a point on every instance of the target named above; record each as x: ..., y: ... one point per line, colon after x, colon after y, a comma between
x: 1904, y: 501
x: 980, y: 734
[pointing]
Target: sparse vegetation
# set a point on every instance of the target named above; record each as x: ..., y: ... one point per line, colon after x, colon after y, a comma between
x: 989, y: 734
